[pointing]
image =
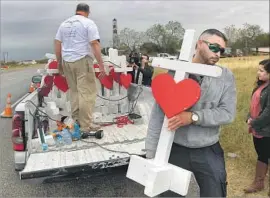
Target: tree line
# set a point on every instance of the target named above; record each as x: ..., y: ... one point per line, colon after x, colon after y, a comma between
x: 168, y: 38
x: 247, y: 37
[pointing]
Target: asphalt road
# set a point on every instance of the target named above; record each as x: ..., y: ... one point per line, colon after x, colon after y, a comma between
x: 114, y: 184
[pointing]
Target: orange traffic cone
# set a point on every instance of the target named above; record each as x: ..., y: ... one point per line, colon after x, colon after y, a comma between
x: 8, y: 110
x: 31, y: 88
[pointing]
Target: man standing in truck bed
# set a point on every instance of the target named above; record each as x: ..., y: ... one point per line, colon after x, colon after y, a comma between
x: 76, y: 41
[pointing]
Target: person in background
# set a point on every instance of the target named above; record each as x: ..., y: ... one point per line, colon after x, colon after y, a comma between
x: 77, y: 42
x: 259, y: 125
x: 145, y: 71
x: 196, y: 144
x: 131, y: 63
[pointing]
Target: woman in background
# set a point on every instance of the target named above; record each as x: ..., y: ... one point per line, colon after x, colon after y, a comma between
x: 259, y: 125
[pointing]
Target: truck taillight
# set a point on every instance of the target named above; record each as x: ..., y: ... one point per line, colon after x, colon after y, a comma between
x: 17, y: 140
x: 17, y: 121
x: 17, y: 136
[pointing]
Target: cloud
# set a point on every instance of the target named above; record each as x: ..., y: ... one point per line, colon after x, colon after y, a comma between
x: 29, y: 27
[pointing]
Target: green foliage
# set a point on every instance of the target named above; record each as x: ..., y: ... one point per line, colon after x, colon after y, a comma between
x: 168, y: 38
x: 263, y: 40
x: 247, y: 37
x: 42, y: 61
x: 149, y: 48
x: 158, y: 38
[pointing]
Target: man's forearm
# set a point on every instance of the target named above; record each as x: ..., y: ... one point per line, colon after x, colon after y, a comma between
x: 225, y: 111
x: 58, y: 49
x: 97, y: 53
x: 214, y: 117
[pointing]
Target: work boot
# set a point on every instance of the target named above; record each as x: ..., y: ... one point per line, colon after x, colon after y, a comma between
x: 94, y: 127
x: 258, y: 183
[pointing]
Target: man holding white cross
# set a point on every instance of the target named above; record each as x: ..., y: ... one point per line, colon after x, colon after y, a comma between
x: 196, y: 144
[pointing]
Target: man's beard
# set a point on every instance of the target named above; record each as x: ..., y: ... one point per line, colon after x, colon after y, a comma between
x: 207, y: 60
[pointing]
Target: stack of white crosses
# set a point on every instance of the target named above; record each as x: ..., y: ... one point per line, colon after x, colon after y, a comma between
x: 112, y: 101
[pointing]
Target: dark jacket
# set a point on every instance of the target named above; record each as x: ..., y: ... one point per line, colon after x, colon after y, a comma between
x: 262, y: 123
x: 147, y: 73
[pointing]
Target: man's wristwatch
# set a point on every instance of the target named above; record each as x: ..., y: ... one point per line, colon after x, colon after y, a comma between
x: 194, y: 117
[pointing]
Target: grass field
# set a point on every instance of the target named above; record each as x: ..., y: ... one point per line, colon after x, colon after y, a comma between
x: 234, y: 137
x: 20, y: 67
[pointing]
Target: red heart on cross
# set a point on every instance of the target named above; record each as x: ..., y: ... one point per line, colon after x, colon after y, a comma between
x: 61, y: 83
x: 111, y: 73
x: 47, y: 87
x: 172, y: 97
x: 48, y: 80
x: 53, y: 65
x: 125, y: 80
x: 106, y: 81
x: 115, y: 76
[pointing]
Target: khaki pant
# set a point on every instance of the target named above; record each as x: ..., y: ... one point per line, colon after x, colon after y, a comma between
x: 81, y: 81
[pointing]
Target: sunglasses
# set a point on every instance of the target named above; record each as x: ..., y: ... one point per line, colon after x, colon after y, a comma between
x: 214, y: 47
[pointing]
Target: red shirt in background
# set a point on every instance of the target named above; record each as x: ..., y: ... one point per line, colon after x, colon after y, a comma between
x: 255, y: 108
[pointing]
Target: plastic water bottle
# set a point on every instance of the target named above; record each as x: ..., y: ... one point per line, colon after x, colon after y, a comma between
x: 44, y: 147
x: 59, y: 140
x: 76, y: 135
x: 66, y: 137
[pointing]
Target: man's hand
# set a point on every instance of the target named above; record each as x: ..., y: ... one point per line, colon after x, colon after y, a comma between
x: 102, y: 72
x: 179, y: 120
x: 97, y: 52
x: 135, y: 66
x: 249, y: 122
x: 58, y: 54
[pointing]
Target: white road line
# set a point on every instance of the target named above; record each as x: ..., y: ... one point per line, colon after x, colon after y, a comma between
x: 9, y: 79
x: 13, y: 105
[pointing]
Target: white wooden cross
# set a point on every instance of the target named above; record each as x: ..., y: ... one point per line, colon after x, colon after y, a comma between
x: 118, y: 92
x: 157, y: 175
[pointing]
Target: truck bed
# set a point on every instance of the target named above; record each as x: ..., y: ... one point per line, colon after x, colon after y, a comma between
x: 114, y: 149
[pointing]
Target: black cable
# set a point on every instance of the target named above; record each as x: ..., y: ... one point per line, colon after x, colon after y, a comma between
x: 111, y: 99
x: 124, y: 152
x: 136, y: 100
x: 37, y: 109
x: 112, y: 64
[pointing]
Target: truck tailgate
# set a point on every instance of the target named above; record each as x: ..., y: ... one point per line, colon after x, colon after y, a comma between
x: 59, y: 163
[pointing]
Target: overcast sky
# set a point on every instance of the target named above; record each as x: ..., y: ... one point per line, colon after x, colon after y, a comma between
x: 28, y: 27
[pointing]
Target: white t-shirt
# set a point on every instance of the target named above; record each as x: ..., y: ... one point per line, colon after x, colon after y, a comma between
x: 75, y: 33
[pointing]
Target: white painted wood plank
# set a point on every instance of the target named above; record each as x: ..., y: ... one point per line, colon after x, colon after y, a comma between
x: 113, y: 133
x: 192, y: 68
x: 117, y: 69
x: 55, y: 160
x: 188, y: 45
x: 63, y: 159
x: 45, y: 161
